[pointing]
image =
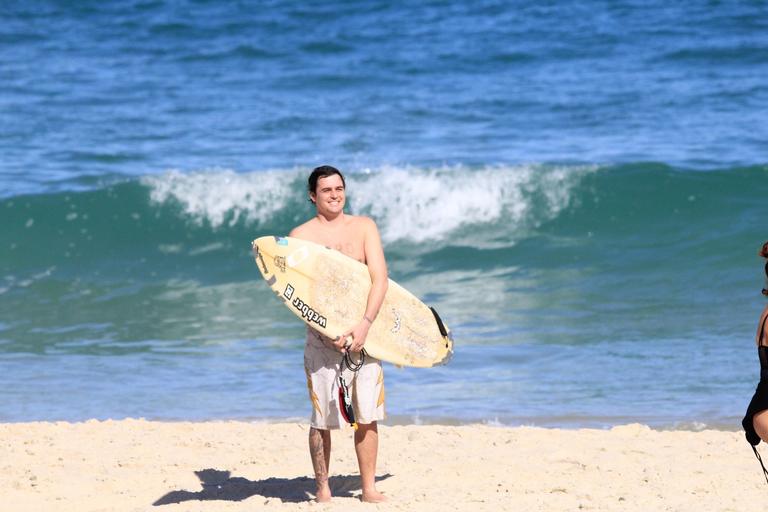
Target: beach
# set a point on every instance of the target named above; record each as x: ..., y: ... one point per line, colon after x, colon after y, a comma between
x: 132, y: 465
x: 577, y: 188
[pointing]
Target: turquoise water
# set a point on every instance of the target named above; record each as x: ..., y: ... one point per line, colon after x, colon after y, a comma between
x: 578, y: 188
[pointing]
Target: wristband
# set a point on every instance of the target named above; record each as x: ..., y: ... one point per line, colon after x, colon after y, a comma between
x: 369, y: 320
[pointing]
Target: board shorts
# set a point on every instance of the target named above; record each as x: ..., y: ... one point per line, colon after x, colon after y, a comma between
x: 322, y: 364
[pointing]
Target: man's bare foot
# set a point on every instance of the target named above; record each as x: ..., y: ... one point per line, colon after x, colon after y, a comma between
x: 373, y: 496
x: 323, y: 494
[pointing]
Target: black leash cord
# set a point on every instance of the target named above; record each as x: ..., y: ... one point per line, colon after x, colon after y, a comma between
x: 765, y: 472
x: 347, y: 360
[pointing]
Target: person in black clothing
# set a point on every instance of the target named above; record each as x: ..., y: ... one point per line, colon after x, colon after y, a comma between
x: 755, y: 421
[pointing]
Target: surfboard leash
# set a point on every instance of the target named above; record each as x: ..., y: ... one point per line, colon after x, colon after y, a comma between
x: 345, y: 401
x: 760, y: 459
x: 347, y: 361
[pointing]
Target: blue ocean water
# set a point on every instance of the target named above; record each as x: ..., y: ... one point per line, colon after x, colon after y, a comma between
x: 578, y: 187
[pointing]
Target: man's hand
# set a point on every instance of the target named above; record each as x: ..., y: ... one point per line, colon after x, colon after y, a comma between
x: 354, y: 339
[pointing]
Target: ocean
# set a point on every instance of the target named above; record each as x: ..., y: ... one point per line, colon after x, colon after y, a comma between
x: 579, y: 188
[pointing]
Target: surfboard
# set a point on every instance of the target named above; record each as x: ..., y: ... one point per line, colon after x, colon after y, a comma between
x: 329, y: 292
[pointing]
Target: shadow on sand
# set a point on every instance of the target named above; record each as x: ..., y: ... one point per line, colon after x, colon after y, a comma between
x: 219, y: 485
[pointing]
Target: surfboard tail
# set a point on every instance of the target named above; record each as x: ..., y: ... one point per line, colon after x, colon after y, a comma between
x: 445, y: 333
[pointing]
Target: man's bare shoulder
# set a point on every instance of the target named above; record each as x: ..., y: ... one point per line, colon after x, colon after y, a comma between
x: 303, y: 230
x: 362, y: 222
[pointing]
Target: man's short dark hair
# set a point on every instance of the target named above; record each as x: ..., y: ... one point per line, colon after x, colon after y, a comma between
x: 322, y: 172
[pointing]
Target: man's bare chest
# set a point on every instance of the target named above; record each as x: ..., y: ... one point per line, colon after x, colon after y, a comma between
x: 350, y: 245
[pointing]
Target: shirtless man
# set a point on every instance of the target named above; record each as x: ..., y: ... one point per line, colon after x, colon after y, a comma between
x: 358, y: 238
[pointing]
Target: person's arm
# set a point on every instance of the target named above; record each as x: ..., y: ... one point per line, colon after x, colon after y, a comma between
x: 377, y: 268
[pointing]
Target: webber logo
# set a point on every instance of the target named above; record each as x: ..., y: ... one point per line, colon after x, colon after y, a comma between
x: 306, y: 311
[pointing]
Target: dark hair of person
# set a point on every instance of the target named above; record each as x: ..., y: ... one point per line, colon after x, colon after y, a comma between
x: 322, y: 172
x: 764, y: 254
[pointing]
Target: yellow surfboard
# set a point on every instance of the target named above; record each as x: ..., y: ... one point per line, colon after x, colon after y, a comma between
x: 329, y: 291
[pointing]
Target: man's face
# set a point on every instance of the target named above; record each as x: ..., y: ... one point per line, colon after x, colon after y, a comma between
x: 329, y: 194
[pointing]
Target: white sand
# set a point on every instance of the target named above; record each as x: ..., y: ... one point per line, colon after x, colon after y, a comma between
x: 134, y: 464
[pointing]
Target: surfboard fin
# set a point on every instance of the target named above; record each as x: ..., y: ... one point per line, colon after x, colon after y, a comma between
x: 440, y: 325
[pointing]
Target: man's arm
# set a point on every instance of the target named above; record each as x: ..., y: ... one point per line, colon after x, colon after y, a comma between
x: 377, y: 268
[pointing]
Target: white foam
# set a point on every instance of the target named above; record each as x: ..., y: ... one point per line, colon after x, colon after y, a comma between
x: 408, y: 203
x: 422, y: 205
x: 222, y: 196
x: 170, y: 248
x: 216, y: 246
x: 14, y: 282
